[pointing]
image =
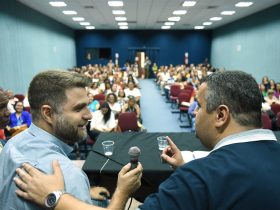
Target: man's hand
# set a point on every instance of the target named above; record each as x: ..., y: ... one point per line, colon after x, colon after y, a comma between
x: 129, y: 181
x: 172, y: 155
x: 35, y: 185
x: 99, y: 193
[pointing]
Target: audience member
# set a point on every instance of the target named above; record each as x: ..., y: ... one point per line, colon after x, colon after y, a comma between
x: 19, y: 120
x: 133, y: 91
x: 4, y: 115
x: 93, y: 104
x: 103, y: 120
x: 270, y: 98
x: 12, y: 101
x: 241, y: 171
x: 115, y: 107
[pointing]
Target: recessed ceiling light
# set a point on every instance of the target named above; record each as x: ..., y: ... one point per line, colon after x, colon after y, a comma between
x: 120, y: 19
x: 78, y: 18
x: 123, y: 27
x: 174, y: 19
x: 90, y: 27
x: 122, y: 23
x: 243, y: 4
x: 180, y: 12
x: 115, y: 3
x: 199, y: 27
x: 69, y: 12
x: 84, y: 23
x: 118, y: 12
x: 189, y: 3
x: 169, y: 23
x: 207, y: 23
x: 165, y: 27
x: 57, y: 3
x: 216, y: 18
x: 227, y: 12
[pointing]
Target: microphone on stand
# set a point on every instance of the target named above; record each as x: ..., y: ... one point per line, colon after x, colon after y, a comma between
x: 134, y: 153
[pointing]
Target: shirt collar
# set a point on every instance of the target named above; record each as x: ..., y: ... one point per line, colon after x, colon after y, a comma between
x: 36, y: 131
x: 247, y: 136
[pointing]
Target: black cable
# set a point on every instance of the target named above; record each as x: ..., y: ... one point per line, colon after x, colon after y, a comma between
x: 148, y: 182
x: 129, y: 204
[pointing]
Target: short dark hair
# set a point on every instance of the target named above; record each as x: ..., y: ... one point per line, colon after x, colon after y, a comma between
x: 49, y: 88
x: 237, y: 90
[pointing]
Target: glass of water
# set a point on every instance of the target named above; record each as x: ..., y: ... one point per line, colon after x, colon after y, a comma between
x: 108, y: 147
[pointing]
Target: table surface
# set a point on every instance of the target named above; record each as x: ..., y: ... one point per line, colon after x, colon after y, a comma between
x: 154, y: 171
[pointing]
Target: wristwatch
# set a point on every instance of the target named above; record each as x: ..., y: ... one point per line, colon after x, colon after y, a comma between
x: 52, y: 199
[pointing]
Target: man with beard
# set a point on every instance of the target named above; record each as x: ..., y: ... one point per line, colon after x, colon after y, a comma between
x: 58, y: 102
x: 4, y: 113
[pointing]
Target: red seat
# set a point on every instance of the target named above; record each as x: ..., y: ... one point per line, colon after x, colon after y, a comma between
x: 183, y: 97
x: 174, y: 92
x: 266, y: 121
x: 100, y: 98
x: 20, y: 97
x: 278, y: 121
x: 275, y: 108
x: 127, y: 121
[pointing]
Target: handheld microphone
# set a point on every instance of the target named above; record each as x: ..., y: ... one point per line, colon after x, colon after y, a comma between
x: 134, y: 153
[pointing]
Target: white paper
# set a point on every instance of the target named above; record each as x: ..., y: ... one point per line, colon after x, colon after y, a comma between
x: 189, y: 156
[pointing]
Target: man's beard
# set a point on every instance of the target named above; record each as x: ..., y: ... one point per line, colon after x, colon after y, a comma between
x: 67, y: 132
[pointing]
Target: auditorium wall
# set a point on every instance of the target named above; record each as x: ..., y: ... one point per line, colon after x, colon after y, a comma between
x: 29, y: 43
x: 251, y: 44
x: 164, y: 47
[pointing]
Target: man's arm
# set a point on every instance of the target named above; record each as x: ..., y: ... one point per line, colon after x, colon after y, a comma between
x: 35, y: 186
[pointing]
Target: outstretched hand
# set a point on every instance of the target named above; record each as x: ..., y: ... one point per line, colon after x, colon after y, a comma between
x: 172, y: 155
x: 35, y: 185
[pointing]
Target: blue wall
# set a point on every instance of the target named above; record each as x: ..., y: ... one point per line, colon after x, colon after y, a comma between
x: 170, y: 46
x: 29, y: 43
x: 251, y: 44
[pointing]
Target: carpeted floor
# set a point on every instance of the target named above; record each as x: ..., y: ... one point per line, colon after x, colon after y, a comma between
x: 156, y: 114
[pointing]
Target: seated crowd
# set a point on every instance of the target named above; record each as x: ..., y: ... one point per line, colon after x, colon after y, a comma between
x: 115, y: 90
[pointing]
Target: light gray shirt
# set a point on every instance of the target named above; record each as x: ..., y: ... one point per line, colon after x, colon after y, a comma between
x: 38, y: 148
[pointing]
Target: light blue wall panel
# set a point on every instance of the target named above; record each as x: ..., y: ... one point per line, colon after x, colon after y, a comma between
x: 29, y: 43
x: 251, y: 44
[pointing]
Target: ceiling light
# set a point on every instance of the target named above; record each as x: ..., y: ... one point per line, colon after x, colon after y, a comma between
x: 118, y: 12
x: 123, y: 27
x: 207, y: 23
x: 165, y: 27
x: 243, y: 4
x: 78, y: 18
x: 115, y: 3
x: 189, y: 3
x: 169, y: 23
x: 57, y: 4
x: 69, y: 12
x: 90, y: 27
x: 122, y: 23
x: 180, y: 12
x: 199, y: 27
x: 84, y: 23
x: 120, y: 19
x: 216, y: 18
x: 227, y: 12
x: 174, y: 19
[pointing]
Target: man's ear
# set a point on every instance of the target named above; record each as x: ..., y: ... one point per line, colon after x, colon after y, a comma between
x: 222, y: 116
x: 47, y: 113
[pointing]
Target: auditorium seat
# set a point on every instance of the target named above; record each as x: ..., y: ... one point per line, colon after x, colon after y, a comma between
x: 275, y: 108
x: 174, y: 92
x: 127, y: 121
x: 266, y: 121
